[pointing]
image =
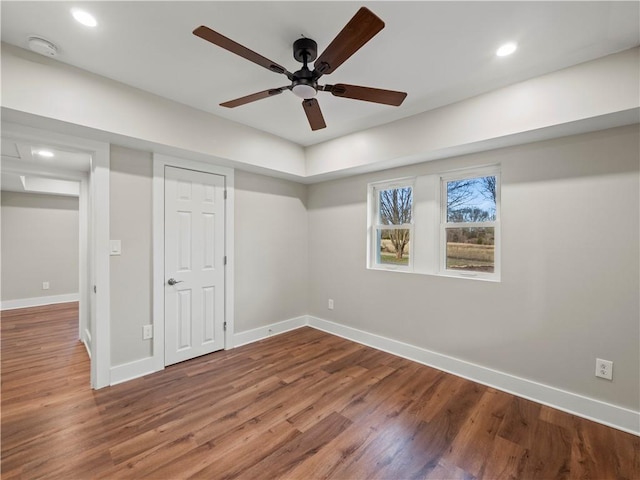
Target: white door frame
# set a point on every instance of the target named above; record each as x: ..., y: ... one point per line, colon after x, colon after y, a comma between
x: 159, y: 163
x: 93, y: 237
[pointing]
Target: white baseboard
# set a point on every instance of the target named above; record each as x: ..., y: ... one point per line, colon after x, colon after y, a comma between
x: 131, y: 370
x: 86, y: 347
x: 39, y: 301
x: 250, y: 336
x: 611, y: 415
x: 86, y: 339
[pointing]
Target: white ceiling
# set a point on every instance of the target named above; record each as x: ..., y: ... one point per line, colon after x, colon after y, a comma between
x: 438, y: 52
x: 25, y: 170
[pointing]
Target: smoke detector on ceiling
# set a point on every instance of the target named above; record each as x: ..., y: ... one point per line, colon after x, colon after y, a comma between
x: 42, y: 46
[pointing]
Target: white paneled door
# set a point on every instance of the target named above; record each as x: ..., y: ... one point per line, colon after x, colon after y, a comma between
x: 194, y: 264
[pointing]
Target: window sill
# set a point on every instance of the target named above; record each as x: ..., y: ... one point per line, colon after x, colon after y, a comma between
x: 470, y: 276
x: 462, y: 276
x: 391, y: 268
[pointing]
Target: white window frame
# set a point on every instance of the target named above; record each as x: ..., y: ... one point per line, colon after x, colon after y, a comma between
x: 493, y: 171
x: 374, y: 225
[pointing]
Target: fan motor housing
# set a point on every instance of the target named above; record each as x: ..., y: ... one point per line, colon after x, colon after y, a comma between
x: 305, y: 46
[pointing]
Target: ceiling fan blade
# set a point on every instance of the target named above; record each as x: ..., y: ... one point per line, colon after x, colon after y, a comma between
x: 253, y: 97
x: 234, y: 47
x: 367, y: 94
x: 314, y: 114
x: 361, y: 28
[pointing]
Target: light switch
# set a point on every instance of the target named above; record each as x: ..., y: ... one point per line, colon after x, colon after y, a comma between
x: 115, y: 247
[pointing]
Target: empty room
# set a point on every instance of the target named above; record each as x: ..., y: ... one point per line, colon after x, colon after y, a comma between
x: 320, y: 239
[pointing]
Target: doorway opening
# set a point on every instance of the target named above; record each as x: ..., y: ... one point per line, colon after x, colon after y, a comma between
x: 54, y: 171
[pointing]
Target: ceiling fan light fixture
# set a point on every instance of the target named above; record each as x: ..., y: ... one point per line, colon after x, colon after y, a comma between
x: 304, y: 91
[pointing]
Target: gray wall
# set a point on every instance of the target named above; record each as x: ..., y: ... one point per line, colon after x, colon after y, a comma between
x: 40, y: 241
x: 570, y: 268
x: 131, y: 282
x: 271, y: 245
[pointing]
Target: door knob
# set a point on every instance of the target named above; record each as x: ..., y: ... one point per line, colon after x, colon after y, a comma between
x: 173, y: 281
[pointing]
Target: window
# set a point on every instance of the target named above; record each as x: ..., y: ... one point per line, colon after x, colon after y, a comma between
x: 437, y: 224
x: 391, y: 228
x: 469, y: 224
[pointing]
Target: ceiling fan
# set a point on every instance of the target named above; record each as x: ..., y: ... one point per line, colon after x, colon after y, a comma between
x: 304, y: 83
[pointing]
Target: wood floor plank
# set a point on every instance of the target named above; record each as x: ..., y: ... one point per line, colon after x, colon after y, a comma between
x: 264, y: 402
x: 506, y: 460
x: 520, y: 420
x: 302, y: 447
x: 178, y: 421
x: 334, y: 455
x: 346, y: 387
x: 551, y: 457
x: 243, y: 455
x: 149, y: 460
x: 301, y: 405
x: 471, y: 447
x: 443, y: 470
x: 430, y: 443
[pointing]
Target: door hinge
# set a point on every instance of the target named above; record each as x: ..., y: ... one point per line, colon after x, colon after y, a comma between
x: 225, y: 326
x: 225, y: 194
x: 225, y: 260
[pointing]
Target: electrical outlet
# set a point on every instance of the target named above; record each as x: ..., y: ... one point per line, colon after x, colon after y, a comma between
x: 330, y: 305
x: 147, y: 332
x: 604, y: 369
x: 45, y: 285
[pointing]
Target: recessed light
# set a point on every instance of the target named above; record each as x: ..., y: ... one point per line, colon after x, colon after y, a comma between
x: 507, y: 49
x: 85, y: 18
x: 45, y: 153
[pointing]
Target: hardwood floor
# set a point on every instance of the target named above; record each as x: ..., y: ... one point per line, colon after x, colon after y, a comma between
x: 300, y: 405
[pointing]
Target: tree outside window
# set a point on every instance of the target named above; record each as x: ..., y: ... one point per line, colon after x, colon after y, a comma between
x: 394, y: 224
x: 470, y: 225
